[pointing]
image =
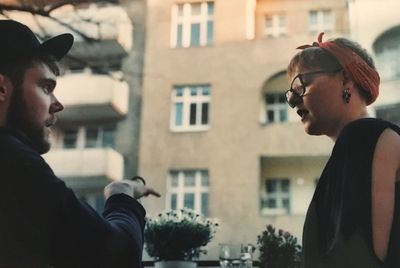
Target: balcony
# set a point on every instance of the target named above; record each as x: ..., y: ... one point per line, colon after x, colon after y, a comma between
x: 86, y: 168
x: 87, y: 96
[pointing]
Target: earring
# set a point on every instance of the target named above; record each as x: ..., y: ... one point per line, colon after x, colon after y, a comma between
x: 346, y: 95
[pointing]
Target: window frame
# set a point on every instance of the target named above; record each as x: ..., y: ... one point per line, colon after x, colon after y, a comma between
x: 187, y: 100
x: 277, y: 107
x: 321, y: 25
x: 276, y: 30
x: 278, y: 196
x: 186, y: 20
x: 82, y: 139
x: 198, y: 189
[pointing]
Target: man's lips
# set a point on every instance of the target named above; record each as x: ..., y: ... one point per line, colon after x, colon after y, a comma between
x: 51, y: 121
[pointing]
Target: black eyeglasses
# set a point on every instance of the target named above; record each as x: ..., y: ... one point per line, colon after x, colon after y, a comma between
x: 298, y: 86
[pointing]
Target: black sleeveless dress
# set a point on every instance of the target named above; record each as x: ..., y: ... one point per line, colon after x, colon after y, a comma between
x: 338, y: 227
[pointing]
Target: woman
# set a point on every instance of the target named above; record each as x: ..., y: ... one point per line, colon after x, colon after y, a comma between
x: 354, y: 216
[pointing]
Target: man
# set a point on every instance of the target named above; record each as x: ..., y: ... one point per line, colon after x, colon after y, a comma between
x: 42, y: 223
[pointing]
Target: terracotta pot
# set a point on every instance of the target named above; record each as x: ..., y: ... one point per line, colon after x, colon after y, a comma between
x: 175, y: 264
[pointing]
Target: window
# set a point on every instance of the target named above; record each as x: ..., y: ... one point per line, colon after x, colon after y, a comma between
x: 188, y: 189
x: 89, y: 137
x: 192, y: 24
x: 276, y: 198
x: 99, y: 137
x: 70, y: 138
x: 387, y: 50
x: 276, y: 108
x: 275, y: 25
x: 190, y: 108
x: 320, y: 21
x: 389, y: 112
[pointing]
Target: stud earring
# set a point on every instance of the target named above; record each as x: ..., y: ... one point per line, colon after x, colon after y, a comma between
x: 346, y: 95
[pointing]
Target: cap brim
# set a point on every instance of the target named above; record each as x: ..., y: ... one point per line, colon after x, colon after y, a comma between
x: 58, y: 46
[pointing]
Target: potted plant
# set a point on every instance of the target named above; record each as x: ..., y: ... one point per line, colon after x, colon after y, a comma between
x: 278, y: 249
x: 178, y: 236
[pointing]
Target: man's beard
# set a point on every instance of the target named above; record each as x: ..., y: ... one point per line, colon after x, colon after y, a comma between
x: 18, y: 117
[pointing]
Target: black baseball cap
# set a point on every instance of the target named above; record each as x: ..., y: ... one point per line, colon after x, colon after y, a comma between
x: 18, y: 41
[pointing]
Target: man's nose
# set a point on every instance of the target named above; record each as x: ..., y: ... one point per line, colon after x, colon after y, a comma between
x: 56, y: 105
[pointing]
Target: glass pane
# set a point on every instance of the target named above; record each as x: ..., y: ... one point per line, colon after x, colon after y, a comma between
x: 283, y: 115
x: 179, y: 33
x: 195, y: 34
x: 173, y: 201
x: 196, y: 9
x: 270, y: 116
x: 204, y: 113
x: 268, y: 22
x: 327, y: 16
x: 204, y: 204
x: 178, y: 91
x: 188, y: 200
x: 210, y: 32
x: 193, y: 114
x: 313, y: 17
x: 271, y: 186
x: 286, y: 204
x: 282, y: 21
x: 178, y: 114
x: 190, y: 179
x: 180, y: 10
x: 204, y: 178
x: 205, y: 90
x: 285, y: 186
x: 70, y: 138
x: 270, y: 98
x: 210, y: 8
x: 174, y: 179
x: 193, y: 91
x: 91, y: 137
x: 108, y: 140
x: 271, y: 203
x: 282, y: 98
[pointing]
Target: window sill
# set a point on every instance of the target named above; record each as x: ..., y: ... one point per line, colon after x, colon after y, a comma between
x: 274, y: 212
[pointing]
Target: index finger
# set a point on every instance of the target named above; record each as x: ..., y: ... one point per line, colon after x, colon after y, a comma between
x: 151, y: 191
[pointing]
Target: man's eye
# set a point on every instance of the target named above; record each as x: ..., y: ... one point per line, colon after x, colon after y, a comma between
x: 47, y: 88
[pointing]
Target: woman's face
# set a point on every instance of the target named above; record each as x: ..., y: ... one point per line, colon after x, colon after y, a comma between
x: 322, y: 106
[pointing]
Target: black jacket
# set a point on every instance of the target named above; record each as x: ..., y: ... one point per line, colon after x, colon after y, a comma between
x: 43, y: 224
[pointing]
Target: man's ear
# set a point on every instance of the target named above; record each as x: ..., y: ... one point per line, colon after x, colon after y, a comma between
x: 5, y: 88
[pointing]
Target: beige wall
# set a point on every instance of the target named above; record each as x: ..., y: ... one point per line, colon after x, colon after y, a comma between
x: 237, y: 150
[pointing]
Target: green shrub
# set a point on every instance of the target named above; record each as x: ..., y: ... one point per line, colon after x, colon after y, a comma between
x: 178, y: 235
x: 278, y: 249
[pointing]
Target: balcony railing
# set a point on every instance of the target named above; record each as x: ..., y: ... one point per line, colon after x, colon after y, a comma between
x: 91, y: 96
x: 86, y: 166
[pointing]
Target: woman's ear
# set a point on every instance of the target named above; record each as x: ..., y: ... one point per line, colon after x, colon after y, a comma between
x: 347, y: 82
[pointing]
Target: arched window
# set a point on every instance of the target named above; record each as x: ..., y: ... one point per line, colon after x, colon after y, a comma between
x: 387, y: 51
x: 275, y: 108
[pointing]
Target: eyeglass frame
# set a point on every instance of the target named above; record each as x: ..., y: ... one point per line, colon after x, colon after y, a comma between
x: 291, y: 91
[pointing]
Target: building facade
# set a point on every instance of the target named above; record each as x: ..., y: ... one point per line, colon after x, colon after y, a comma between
x: 205, y: 122
x: 217, y: 135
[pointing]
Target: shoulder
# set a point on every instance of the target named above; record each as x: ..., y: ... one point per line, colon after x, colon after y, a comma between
x: 13, y: 148
x: 388, y: 146
x: 369, y: 124
x: 367, y: 129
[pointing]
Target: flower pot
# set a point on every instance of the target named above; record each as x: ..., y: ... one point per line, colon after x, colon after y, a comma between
x: 175, y: 264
